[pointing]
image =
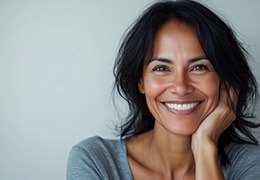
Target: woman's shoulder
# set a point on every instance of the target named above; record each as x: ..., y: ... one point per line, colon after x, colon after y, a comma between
x: 97, y: 146
x: 97, y: 142
x: 243, y: 154
x: 98, y: 158
x: 244, y: 161
x: 243, y: 150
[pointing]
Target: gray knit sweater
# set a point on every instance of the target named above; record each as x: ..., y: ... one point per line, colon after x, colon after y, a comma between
x: 96, y: 158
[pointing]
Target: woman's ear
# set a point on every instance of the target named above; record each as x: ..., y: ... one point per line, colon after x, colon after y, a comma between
x: 141, y: 86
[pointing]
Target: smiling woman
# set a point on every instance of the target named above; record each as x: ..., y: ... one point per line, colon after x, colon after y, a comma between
x: 179, y: 69
x: 179, y: 76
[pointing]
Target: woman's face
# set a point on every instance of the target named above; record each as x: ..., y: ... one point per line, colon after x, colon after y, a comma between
x: 179, y: 82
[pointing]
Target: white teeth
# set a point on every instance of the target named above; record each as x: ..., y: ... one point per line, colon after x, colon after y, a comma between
x: 181, y: 106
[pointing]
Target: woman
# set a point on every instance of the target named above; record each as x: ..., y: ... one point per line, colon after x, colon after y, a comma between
x: 191, y: 96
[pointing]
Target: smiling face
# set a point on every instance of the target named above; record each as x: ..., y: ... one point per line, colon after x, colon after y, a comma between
x: 179, y: 82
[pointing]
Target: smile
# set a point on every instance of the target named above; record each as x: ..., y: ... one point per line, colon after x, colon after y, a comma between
x: 182, y: 107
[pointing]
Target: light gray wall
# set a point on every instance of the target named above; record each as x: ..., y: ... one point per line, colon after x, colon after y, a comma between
x: 56, y: 60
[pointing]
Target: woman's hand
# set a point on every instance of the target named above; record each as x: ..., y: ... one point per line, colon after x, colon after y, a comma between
x: 220, y: 118
x: 204, y: 140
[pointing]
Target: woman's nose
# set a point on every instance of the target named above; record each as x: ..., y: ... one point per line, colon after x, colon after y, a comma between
x: 181, y: 85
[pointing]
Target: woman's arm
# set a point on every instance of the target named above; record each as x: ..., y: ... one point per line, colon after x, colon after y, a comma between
x: 204, y: 140
x: 206, y: 160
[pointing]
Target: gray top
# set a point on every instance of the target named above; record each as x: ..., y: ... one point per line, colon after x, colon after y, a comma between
x: 97, y: 158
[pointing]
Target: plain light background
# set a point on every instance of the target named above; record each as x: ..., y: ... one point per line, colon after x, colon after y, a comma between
x: 56, y: 59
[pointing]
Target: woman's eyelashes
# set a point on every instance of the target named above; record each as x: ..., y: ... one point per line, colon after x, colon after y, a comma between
x: 200, y: 67
x: 160, y: 68
x: 196, y: 68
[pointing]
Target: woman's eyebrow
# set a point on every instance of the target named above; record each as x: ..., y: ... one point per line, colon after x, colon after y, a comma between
x: 161, y: 60
x: 195, y: 59
x: 165, y: 60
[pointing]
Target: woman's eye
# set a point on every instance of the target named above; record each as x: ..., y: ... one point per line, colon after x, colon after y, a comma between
x: 160, y: 68
x: 199, y: 67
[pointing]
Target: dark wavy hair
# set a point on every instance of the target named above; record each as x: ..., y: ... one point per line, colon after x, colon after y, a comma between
x: 220, y: 45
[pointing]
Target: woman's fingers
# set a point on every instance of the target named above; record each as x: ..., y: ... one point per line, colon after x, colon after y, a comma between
x: 222, y: 116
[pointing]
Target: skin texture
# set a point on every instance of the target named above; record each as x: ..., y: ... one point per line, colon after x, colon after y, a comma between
x: 190, y: 107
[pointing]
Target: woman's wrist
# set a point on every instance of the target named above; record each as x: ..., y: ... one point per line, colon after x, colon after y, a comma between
x: 204, y: 146
x: 205, y: 153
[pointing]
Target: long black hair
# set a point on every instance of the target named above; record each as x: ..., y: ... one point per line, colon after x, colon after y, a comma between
x: 220, y: 45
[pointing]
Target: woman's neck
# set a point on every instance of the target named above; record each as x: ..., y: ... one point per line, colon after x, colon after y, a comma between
x: 163, y: 152
x: 174, y: 151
